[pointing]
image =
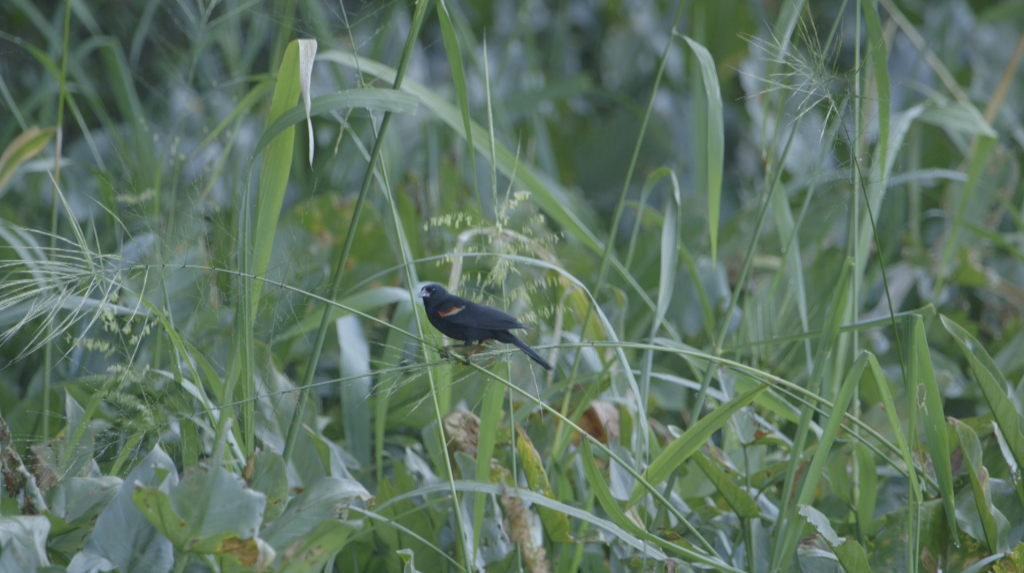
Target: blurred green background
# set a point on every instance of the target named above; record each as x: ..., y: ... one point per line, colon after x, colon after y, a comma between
x: 773, y: 248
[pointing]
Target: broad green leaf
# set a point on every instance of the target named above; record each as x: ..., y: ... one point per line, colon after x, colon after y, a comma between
x: 79, y: 500
x: 850, y: 553
x: 235, y: 555
x: 270, y: 478
x: 990, y: 517
x: 203, y: 510
x: 321, y: 502
x: 156, y: 506
x: 993, y: 386
x: 123, y: 535
x: 356, y: 386
x: 23, y: 543
x: 555, y: 523
x: 314, y: 548
x: 692, y: 439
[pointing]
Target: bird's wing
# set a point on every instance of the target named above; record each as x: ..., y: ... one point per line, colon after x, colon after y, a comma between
x: 471, y: 314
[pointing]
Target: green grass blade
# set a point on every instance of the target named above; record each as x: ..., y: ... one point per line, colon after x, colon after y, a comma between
x: 791, y: 532
x: 975, y: 172
x: 826, y: 347
x: 867, y: 497
x: 454, y: 53
x: 880, y: 66
x: 894, y: 424
x: 277, y: 164
x: 738, y: 498
x: 684, y: 446
x: 490, y: 416
x: 714, y: 139
x: 934, y: 419
x: 599, y: 486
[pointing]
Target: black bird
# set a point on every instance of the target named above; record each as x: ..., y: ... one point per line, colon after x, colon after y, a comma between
x: 472, y: 323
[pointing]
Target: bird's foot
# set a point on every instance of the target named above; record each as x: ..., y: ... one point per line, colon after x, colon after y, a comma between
x: 447, y: 354
x: 475, y: 348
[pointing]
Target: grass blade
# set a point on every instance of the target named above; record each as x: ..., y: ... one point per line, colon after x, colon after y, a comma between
x: 684, y: 446
x: 791, y: 533
x: 934, y: 419
x: 714, y: 139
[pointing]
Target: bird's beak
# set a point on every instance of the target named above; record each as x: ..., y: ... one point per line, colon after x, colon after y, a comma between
x: 422, y: 293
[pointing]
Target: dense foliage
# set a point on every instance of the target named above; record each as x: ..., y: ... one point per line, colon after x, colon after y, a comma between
x: 772, y: 249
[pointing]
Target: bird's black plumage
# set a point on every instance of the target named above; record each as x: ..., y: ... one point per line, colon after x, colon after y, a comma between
x: 472, y: 323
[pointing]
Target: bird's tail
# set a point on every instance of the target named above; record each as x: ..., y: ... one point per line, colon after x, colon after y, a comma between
x: 514, y: 340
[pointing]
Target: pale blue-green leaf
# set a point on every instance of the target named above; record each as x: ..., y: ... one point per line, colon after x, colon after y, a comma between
x: 355, y: 389
x: 307, y: 55
x: 123, y: 535
x: 715, y: 138
x: 324, y: 500
x: 850, y: 553
x: 270, y: 477
x: 23, y: 543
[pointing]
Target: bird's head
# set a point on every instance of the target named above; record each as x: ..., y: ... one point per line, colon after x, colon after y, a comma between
x: 431, y: 290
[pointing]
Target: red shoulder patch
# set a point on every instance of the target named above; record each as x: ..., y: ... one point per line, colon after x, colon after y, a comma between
x: 450, y: 311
